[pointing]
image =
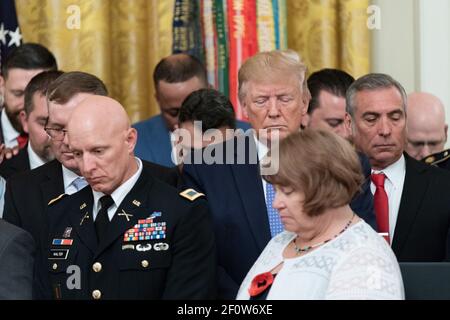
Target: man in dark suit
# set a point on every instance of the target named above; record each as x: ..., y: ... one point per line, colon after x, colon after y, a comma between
x: 326, y: 110
x: 132, y: 236
x: 175, y: 77
x: 412, y: 199
x: 33, y: 117
x: 16, y: 262
x: 274, y: 96
x: 20, y: 66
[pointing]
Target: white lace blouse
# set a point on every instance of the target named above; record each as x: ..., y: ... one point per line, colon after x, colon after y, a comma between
x: 358, y: 264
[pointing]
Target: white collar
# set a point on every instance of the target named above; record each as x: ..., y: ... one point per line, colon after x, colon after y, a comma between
x: 394, y: 172
x: 34, y: 159
x: 9, y: 133
x: 121, y: 192
x: 68, y: 176
x: 261, y: 148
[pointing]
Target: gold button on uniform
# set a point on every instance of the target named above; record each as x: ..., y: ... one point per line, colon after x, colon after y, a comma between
x: 55, y: 266
x: 144, y: 263
x: 97, y: 267
x: 96, y: 294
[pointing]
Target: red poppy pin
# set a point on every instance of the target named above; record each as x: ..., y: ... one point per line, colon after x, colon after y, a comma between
x: 260, y: 283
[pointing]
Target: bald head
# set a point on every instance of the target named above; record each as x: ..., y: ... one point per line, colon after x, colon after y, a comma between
x: 102, y: 143
x: 427, y: 130
x: 98, y: 112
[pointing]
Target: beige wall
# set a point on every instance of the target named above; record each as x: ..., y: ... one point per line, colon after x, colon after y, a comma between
x: 413, y: 45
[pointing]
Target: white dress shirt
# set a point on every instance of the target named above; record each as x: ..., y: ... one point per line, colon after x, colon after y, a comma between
x: 69, y: 177
x: 118, y: 195
x: 33, y: 158
x: 262, y: 150
x: 9, y: 133
x: 395, y: 178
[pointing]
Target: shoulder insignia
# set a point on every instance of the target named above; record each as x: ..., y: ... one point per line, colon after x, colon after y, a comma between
x: 437, y: 158
x: 191, y: 194
x: 56, y: 199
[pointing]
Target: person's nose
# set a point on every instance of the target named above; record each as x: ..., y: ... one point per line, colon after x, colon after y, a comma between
x: 384, y: 127
x: 87, y: 164
x: 274, y: 111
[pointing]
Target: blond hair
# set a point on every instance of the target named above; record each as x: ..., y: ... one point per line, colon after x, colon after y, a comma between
x: 272, y: 65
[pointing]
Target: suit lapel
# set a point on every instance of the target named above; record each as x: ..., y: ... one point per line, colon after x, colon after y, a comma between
x: 132, y: 209
x: 414, y: 189
x: 249, y: 184
x: 82, y: 218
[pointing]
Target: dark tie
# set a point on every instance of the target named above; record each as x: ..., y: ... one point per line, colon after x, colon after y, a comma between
x: 102, y: 220
x: 381, y: 204
x: 22, y: 140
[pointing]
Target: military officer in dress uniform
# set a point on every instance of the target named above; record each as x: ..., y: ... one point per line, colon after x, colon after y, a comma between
x: 127, y: 235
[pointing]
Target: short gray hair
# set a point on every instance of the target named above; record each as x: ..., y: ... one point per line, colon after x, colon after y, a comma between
x: 372, y: 81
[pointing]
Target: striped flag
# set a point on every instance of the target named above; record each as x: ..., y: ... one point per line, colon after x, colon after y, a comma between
x: 224, y: 33
x: 10, y: 36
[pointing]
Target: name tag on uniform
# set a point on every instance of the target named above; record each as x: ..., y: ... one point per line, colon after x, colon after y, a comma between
x: 58, y: 254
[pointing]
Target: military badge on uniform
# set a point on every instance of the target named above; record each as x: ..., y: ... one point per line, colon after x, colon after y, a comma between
x: 161, y: 246
x: 128, y: 247
x: 62, y: 242
x: 58, y: 254
x: 155, y: 214
x: 86, y: 216
x: 191, y: 194
x: 67, y: 232
x: 144, y: 247
x: 146, y: 229
x: 126, y: 215
x: 136, y: 203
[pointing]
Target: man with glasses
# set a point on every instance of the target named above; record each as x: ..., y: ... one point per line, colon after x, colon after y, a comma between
x: 174, y: 77
x: 28, y: 194
x: 427, y: 130
x: 34, y: 117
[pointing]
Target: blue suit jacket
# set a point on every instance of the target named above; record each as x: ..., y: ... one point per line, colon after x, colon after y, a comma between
x: 153, y: 143
x: 236, y: 200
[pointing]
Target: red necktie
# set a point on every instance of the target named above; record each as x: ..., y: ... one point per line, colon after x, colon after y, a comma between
x: 381, y: 205
x: 22, y: 140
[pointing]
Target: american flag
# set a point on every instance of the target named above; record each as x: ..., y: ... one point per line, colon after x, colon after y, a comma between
x: 10, y: 36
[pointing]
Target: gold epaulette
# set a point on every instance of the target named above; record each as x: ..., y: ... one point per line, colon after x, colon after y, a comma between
x: 56, y: 199
x: 191, y: 194
x: 437, y: 158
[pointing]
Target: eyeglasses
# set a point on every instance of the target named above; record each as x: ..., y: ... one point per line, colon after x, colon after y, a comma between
x: 55, y: 133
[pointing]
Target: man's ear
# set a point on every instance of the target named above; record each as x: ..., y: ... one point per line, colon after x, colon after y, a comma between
x: 23, y: 120
x: 131, y: 139
x: 446, y: 129
x: 305, y: 120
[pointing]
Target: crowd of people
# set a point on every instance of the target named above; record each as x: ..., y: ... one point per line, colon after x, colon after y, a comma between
x: 329, y: 185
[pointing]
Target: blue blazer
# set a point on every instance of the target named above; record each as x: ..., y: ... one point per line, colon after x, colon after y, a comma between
x: 153, y: 143
x: 236, y: 200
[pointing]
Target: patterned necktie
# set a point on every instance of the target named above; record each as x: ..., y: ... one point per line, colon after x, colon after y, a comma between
x: 79, y: 183
x: 22, y: 140
x: 102, y: 219
x: 276, y: 226
x: 381, y: 205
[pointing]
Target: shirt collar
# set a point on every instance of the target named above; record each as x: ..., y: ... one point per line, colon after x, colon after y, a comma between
x: 68, y: 177
x: 120, y: 193
x: 34, y: 159
x: 395, y: 171
x: 9, y: 133
x: 261, y: 148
